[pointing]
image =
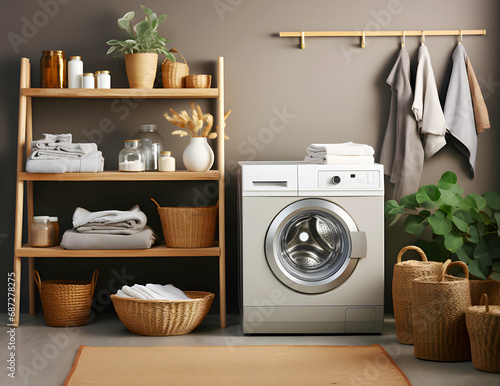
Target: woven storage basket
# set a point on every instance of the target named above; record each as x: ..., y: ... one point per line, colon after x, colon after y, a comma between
x: 489, y: 287
x: 188, y: 227
x: 163, y: 317
x: 483, y: 325
x: 439, y: 330
x: 173, y: 74
x: 66, y: 303
x: 402, y: 289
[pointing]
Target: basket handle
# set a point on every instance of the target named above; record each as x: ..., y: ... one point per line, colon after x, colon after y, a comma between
x: 413, y: 248
x: 94, y: 282
x: 175, y: 51
x: 486, y: 302
x: 158, y: 205
x: 38, y: 281
x: 447, y: 266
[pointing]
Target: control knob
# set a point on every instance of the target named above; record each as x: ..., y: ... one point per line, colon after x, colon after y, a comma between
x: 335, y: 180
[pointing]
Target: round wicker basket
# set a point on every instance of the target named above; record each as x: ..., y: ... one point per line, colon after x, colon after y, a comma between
x: 402, y: 289
x: 163, y: 317
x: 66, y: 303
x: 439, y: 330
x: 483, y: 325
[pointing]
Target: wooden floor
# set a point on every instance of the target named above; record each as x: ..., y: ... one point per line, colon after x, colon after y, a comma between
x: 44, y: 355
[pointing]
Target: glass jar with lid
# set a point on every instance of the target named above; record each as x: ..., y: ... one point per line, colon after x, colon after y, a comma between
x: 131, y: 157
x: 152, y: 144
x: 42, y: 232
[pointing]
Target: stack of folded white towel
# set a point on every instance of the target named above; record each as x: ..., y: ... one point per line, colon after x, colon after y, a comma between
x: 55, y: 153
x: 152, y: 292
x: 348, y: 153
x: 109, y: 229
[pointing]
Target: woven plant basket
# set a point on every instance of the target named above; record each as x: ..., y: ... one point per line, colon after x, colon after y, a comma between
x: 173, y: 74
x: 489, y: 287
x: 66, y: 303
x: 483, y: 324
x: 188, y: 227
x: 439, y: 330
x: 402, y: 289
x: 163, y: 317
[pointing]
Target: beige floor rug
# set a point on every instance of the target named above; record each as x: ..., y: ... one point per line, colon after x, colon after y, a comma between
x: 235, y: 365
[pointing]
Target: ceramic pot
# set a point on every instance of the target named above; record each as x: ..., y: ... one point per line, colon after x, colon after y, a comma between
x: 141, y: 69
x: 198, y: 155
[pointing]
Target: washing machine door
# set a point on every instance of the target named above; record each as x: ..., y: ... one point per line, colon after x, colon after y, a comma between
x: 313, y: 245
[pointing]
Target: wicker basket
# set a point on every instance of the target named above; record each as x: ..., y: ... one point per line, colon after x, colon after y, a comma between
x: 173, y: 74
x: 483, y: 325
x: 198, y: 81
x: 163, y: 317
x: 489, y: 287
x: 402, y: 289
x: 66, y: 303
x: 188, y: 227
x: 439, y: 330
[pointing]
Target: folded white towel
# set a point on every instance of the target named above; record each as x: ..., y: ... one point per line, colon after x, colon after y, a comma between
x: 133, y: 293
x: 84, y: 220
x: 122, y: 294
x: 341, y: 160
x: 168, y: 292
x: 347, y: 148
x: 90, y: 163
x: 149, y: 294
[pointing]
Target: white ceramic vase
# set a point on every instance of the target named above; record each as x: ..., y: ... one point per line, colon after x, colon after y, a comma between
x: 198, y: 155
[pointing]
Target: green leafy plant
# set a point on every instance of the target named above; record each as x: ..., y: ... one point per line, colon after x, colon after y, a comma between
x: 463, y: 228
x: 143, y: 37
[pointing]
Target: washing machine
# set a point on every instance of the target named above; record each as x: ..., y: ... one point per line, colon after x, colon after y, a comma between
x: 311, y: 246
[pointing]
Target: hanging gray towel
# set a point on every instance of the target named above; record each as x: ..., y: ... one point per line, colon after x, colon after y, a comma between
x: 458, y: 109
x: 402, y: 152
x: 427, y: 107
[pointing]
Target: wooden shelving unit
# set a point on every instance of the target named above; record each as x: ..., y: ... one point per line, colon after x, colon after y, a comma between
x: 26, y: 180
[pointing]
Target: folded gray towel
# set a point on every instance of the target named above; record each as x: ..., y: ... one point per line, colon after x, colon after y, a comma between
x: 91, y: 163
x: 108, y: 221
x: 141, y: 240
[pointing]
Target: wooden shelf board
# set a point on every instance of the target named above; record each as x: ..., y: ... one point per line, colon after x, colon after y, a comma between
x: 182, y: 175
x: 159, y: 251
x: 120, y: 93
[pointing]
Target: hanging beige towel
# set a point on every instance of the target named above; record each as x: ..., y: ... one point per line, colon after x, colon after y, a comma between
x: 481, y: 117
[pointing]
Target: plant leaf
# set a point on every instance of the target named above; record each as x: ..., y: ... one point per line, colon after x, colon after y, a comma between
x: 111, y: 49
x: 141, y: 27
x: 475, y: 201
x: 449, y: 198
x: 453, y: 241
x: 147, y: 11
x: 440, y: 224
x: 475, y: 270
x: 492, y: 199
x: 462, y: 219
x: 392, y: 208
x: 482, y: 253
x: 495, y: 276
x: 123, y: 23
x: 448, y: 177
x: 434, y: 250
x: 409, y: 201
x: 428, y: 193
x: 414, y: 225
x: 497, y: 218
x: 129, y: 15
x: 473, y: 234
x: 462, y: 255
x: 496, y: 266
x: 161, y: 18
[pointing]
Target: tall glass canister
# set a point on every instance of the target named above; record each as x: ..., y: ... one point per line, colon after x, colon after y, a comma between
x: 53, y: 69
x: 152, y: 144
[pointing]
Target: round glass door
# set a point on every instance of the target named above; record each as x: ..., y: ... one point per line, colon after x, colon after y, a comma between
x: 308, y: 246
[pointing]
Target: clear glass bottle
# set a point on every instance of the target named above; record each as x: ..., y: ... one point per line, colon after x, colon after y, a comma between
x: 167, y: 162
x: 131, y: 157
x: 152, y: 143
x: 53, y: 69
x: 75, y: 72
x: 42, y: 232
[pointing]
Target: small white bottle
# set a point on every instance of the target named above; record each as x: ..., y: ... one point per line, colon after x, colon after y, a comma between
x: 75, y: 72
x: 88, y: 80
x: 166, y: 163
x: 103, y: 79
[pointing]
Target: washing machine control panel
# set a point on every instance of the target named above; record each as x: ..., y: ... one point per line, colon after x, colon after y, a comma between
x: 358, y: 179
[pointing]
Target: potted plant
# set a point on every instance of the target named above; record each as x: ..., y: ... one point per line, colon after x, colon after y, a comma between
x: 463, y: 228
x: 142, y: 47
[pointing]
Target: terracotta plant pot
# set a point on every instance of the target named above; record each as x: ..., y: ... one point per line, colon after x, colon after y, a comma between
x: 141, y: 69
x: 489, y: 287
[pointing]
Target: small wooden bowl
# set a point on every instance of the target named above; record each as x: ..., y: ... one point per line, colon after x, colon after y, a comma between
x: 198, y: 81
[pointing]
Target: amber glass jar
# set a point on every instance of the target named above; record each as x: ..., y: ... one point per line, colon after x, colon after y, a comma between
x: 53, y: 69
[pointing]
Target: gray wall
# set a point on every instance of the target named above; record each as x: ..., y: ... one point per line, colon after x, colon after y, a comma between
x: 335, y: 91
